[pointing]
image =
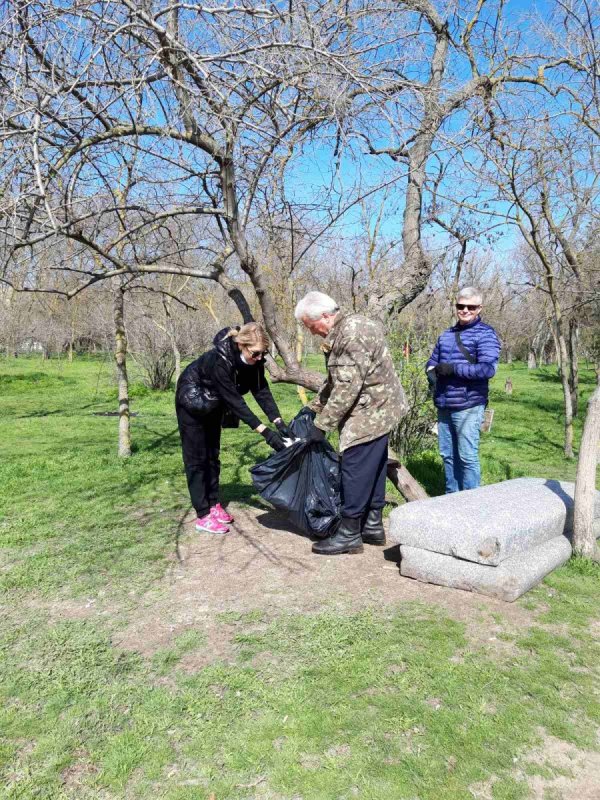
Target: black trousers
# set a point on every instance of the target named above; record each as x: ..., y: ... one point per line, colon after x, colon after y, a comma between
x: 201, y: 448
x: 364, y: 469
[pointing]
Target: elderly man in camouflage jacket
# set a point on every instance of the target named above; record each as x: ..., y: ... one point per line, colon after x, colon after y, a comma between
x: 363, y: 398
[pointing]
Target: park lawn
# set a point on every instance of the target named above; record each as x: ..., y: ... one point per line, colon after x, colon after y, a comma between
x: 382, y: 704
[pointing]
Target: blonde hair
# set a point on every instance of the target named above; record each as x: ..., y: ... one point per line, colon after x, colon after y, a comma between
x: 251, y: 335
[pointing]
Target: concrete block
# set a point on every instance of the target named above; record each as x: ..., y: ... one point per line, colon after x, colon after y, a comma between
x: 489, y: 524
x: 510, y: 580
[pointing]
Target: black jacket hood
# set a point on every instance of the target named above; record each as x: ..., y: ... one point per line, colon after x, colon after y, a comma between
x: 226, y: 348
x: 220, y: 336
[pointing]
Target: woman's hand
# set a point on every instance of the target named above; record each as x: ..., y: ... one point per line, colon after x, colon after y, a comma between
x: 283, y: 429
x: 273, y: 439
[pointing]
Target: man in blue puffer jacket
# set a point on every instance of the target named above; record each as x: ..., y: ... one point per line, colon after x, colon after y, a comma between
x: 463, y: 360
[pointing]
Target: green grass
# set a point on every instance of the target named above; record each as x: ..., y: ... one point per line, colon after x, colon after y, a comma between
x: 527, y: 435
x: 384, y: 705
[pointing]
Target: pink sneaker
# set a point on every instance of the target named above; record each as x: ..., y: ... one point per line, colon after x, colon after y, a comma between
x: 210, y: 524
x: 222, y: 516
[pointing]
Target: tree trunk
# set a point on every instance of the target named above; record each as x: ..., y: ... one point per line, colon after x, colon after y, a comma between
x: 564, y: 369
x: 122, y: 379
x: 409, y: 488
x: 531, y: 360
x: 539, y: 344
x: 574, y: 364
x: 584, y: 540
x: 177, y: 354
x: 564, y: 377
x: 72, y: 329
x: 556, y: 350
x: 299, y: 348
x: 170, y: 330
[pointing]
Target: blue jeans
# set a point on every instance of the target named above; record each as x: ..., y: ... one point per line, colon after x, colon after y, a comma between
x: 458, y: 440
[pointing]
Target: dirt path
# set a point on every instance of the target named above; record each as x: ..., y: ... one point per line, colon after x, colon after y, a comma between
x: 262, y: 564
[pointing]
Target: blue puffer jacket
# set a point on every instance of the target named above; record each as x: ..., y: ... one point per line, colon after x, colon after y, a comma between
x: 468, y: 386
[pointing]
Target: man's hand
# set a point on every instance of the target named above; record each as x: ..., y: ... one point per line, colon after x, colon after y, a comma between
x: 307, y: 411
x: 444, y: 369
x: 273, y: 439
x: 315, y: 435
x: 283, y: 429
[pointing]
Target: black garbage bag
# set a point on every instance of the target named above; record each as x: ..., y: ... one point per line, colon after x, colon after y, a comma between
x: 303, y: 480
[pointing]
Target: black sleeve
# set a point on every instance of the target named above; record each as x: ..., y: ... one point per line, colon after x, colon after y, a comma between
x: 227, y: 390
x: 265, y: 400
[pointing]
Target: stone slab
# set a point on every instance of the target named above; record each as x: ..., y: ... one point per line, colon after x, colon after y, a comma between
x: 489, y: 524
x: 510, y: 580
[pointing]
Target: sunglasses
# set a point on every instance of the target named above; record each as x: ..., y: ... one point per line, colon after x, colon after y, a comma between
x: 258, y: 353
x: 466, y: 306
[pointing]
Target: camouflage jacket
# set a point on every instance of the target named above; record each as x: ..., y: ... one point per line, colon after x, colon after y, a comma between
x: 362, y: 395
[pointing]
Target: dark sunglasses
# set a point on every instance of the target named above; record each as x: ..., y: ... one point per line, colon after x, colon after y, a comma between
x: 464, y: 306
x: 258, y: 353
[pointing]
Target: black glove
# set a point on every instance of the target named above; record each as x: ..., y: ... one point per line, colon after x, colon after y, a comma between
x: 444, y: 369
x: 283, y: 429
x: 315, y: 435
x: 273, y: 439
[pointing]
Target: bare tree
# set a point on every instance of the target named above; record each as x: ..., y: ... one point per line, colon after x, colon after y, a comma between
x: 121, y: 363
x: 584, y: 535
x: 216, y: 111
x: 547, y: 175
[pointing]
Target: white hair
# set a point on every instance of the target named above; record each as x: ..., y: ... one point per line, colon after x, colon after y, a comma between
x: 314, y: 304
x: 468, y: 292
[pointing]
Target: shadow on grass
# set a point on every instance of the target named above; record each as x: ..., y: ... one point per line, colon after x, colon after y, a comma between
x: 586, y: 376
x: 545, y: 377
x: 20, y: 379
x: 518, y: 441
x: 239, y: 487
x: 549, y: 404
x: 163, y: 443
x: 177, y: 536
x: 427, y: 468
x: 39, y: 413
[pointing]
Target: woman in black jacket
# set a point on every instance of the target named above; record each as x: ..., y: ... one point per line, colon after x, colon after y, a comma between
x: 209, y: 396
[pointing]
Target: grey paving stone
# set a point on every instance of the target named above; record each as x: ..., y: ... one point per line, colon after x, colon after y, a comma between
x: 489, y: 524
x: 510, y: 580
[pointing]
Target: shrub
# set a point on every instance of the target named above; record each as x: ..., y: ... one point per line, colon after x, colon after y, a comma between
x: 414, y: 433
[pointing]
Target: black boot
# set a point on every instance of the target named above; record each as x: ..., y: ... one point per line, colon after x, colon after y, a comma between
x: 372, y: 531
x: 346, y: 539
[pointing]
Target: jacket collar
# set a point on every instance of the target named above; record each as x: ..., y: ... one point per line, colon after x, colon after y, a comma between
x: 328, y: 341
x: 458, y: 327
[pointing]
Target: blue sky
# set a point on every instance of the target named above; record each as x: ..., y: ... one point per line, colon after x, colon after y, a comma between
x: 315, y: 170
